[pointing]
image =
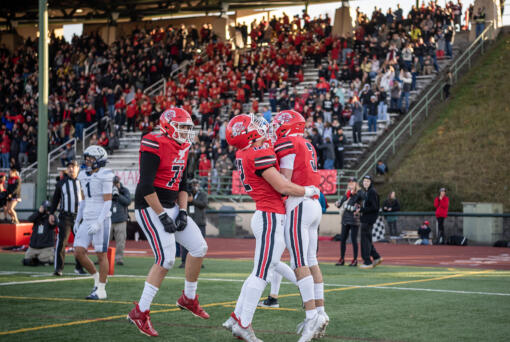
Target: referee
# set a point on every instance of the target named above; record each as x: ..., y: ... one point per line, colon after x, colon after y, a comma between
x: 68, y: 194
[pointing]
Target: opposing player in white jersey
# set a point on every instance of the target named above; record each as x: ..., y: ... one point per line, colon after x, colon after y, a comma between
x: 93, y: 219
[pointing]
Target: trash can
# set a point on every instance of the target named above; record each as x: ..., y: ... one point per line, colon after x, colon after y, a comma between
x: 227, y: 221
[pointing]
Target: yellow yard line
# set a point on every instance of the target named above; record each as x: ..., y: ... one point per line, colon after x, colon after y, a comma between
x: 49, y: 326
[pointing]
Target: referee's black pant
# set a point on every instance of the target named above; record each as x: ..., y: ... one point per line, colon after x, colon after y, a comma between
x: 367, y: 247
x: 65, y: 227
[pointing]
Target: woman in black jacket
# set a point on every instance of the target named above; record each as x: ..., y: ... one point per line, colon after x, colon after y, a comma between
x: 13, y: 194
x: 350, y: 221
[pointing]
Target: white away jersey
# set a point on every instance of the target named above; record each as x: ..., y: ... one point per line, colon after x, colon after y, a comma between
x: 94, y: 186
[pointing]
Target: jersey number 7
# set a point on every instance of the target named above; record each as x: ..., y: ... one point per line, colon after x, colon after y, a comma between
x: 177, y: 169
x: 239, y: 164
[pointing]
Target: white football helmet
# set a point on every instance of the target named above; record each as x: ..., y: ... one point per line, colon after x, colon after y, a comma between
x: 100, y: 157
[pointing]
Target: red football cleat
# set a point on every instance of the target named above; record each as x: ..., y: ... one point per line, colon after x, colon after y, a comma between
x: 142, y: 320
x: 192, y: 305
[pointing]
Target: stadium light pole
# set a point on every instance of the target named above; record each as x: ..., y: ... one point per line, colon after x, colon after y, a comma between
x: 42, y: 126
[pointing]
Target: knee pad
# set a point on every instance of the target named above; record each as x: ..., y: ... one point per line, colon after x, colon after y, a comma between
x: 312, y: 261
x: 168, y: 264
x: 199, y: 252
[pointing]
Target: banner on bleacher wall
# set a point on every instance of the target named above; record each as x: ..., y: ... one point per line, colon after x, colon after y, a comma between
x: 328, y: 182
x: 128, y: 178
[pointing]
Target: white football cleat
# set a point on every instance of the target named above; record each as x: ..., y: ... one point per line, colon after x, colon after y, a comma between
x: 246, y: 334
x: 311, y: 328
x: 323, y: 328
x: 229, y: 323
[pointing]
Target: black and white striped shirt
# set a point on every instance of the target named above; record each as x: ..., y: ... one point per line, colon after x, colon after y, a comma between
x: 68, y: 194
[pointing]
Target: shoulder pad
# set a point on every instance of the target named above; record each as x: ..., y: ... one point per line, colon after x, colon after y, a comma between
x: 105, y: 174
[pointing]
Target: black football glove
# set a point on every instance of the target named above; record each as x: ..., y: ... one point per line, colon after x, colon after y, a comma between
x: 181, y: 221
x: 167, y: 223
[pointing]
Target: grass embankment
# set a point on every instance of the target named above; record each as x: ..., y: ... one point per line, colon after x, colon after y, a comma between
x: 467, y: 148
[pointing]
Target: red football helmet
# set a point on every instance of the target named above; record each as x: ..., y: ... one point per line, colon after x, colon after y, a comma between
x: 287, y: 122
x: 177, y: 124
x: 245, y: 129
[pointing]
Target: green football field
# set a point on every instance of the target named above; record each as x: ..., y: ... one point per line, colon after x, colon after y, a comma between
x: 389, y: 303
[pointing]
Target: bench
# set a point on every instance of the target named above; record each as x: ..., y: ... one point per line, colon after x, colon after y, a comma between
x: 410, y: 236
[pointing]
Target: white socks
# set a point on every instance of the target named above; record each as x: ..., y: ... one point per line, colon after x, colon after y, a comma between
x: 306, y: 288
x: 318, y: 290
x: 95, y: 276
x: 254, y: 288
x: 319, y: 294
x: 149, y: 291
x: 101, y: 286
x: 190, y: 289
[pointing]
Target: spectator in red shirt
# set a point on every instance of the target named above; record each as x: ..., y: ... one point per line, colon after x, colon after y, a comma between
x: 131, y: 112
x: 204, y: 165
x: 103, y: 140
x: 441, y: 204
x: 5, y: 148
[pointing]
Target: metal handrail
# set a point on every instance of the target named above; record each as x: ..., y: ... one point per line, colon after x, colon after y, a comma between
x: 87, y: 132
x: 406, y: 124
x: 59, y: 151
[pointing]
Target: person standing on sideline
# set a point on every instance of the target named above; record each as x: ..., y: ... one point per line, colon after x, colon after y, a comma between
x: 441, y: 204
x: 13, y: 194
x: 67, y: 198
x: 350, y: 220
x: 392, y: 205
x: 197, y: 203
x: 369, y: 212
x: 121, y: 198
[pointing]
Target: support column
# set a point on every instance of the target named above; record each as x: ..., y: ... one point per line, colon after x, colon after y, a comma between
x: 42, y: 134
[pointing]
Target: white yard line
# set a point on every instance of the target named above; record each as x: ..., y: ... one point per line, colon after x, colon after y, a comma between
x: 237, y: 281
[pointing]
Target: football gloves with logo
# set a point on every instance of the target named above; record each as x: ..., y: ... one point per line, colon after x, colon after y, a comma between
x: 181, y: 221
x: 167, y: 222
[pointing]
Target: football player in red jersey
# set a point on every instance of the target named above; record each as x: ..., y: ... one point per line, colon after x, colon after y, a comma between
x: 162, y: 185
x: 298, y: 163
x: 259, y: 173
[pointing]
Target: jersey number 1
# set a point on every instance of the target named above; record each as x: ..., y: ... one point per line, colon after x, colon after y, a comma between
x: 88, y: 189
x: 239, y: 164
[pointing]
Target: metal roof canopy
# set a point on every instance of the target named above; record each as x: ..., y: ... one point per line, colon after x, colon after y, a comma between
x: 26, y: 11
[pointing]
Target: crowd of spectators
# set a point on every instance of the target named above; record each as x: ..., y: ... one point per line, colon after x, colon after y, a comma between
x: 88, y: 80
x: 362, y: 77
x: 358, y: 77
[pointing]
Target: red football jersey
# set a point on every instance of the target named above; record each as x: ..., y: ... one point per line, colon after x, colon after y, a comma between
x: 305, y: 163
x: 173, y: 158
x: 250, y: 162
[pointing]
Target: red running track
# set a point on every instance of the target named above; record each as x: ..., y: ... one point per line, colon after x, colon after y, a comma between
x: 393, y: 254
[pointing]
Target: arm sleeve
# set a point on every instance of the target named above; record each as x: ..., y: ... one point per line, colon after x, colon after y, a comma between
x: 183, y: 185
x: 149, y: 163
x: 56, y: 198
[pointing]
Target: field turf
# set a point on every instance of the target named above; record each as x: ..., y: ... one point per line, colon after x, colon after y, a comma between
x: 389, y: 303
